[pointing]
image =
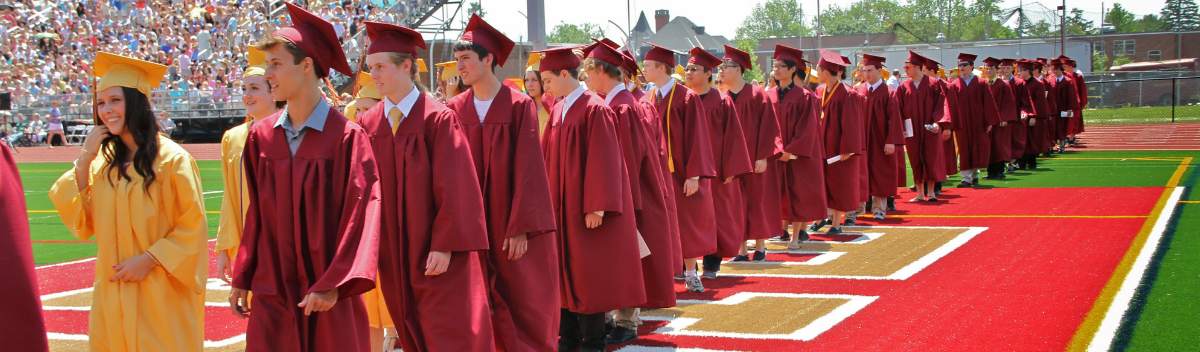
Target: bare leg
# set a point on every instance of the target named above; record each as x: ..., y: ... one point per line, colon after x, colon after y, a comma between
x: 376, y: 339
x: 920, y: 191
x: 837, y: 218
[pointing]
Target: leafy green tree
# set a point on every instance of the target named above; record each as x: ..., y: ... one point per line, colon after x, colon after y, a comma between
x: 1076, y: 25
x: 1121, y: 60
x: 1098, y: 61
x: 1121, y: 19
x: 749, y: 46
x: 775, y: 18
x: 1149, y: 23
x: 476, y: 9
x: 576, y: 34
x: 1181, y: 15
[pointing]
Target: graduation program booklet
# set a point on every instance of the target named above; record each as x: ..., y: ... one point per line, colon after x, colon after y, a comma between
x: 834, y: 159
x: 908, y: 130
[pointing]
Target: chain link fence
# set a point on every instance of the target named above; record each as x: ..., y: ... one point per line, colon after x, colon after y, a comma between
x: 200, y: 116
x: 1142, y: 97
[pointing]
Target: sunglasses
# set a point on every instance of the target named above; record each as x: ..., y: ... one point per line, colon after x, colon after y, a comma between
x: 961, y: 64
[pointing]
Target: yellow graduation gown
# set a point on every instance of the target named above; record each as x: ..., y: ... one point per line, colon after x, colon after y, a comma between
x: 237, y: 196
x: 165, y: 311
x: 543, y: 117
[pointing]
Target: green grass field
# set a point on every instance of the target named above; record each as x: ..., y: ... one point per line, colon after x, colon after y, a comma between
x: 1150, y: 114
x: 1163, y: 313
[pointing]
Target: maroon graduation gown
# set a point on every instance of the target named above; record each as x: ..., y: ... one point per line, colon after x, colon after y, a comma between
x: 21, y: 324
x: 1066, y: 99
x: 508, y: 162
x: 652, y: 124
x: 949, y: 149
x: 311, y: 227
x: 600, y: 267
x: 1076, y: 125
x: 431, y: 202
x: 1024, y: 107
x: 652, y: 200
x: 841, y: 119
x: 1052, y: 113
x: 924, y: 104
x: 802, y: 178
x: 972, y: 109
x: 884, y: 126
x: 1036, y: 142
x: 686, y: 128
x: 1006, y: 107
x: 637, y: 93
x: 762, y: 190
x: 732, y: 160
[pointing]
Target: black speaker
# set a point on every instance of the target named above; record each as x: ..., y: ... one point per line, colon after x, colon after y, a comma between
x: 5, y: 101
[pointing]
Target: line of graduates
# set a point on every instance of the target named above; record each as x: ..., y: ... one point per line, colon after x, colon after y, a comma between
x: 501, y: 221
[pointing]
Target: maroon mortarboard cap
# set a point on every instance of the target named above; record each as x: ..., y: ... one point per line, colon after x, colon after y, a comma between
x: 390, y: 38
x: 964, y: 57
x: 631, y: 65
x: 315, y: 37
x: 784, y: 52
x: 742, y: 58
x: 661, y: 54
x: 915, y: 59
x: 991, y: 61
x: 1038, y: 65
x: 1063, y: 57
x: 1007, y: 62
x: 831, y: 61
x: 703, y: 58
x: 601, y: 51
x: 1024, y: 64
x: 845, y: 59
x: 1056, y: 64
x: 931, y: 65
x: 872, y: 60
x: 1069, y: 62
x: 1042, y: 60
x: 482, y: 33
x: 560, y: 58
x: 609, y: 42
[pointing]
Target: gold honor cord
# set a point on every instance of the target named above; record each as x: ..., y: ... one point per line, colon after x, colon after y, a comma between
x: 670, y: 157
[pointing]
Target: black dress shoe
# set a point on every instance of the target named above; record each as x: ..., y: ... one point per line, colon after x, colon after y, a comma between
x: 610, y: 325
x: 891, y: 204
x: 851, y: 220
x: 964, y: 185
x: 803, y: 236
x: 741, y: 258
x: 785, y: 236
x: 975, y: 181
x: 564, y: 346
x: 818, y: 225
x: 912, y: 188
x: 834, y: 231
x: 760, y: 256
x: 621, y: 335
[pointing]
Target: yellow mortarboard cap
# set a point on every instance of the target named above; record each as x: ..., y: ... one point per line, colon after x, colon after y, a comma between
x: 885, y: 74
x: 679, y: 70
x: 941, y: 73
x: 366, y: 87
x: 421, y: 66
x: 535, y: 61
x: 257, y: 61
x: 449, y: 69
x: 120, y: 71
x: 351, y: 111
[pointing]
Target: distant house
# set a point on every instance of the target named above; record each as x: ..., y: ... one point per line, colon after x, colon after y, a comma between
x: 679, y: 34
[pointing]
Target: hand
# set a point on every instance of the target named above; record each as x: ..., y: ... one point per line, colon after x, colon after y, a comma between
x: 318, y: 301
x: 690, y: 187
x: 134, y: 269
x: 239, y: 301
x: 1002, y: 123
x: 946, y: 135
x: 1032, y: 122
x: 989, y: 129
x: 936, y: 129
x: 91, y: 143
x: 728, y: 179
x: 889, y: 149
x: 224, y: 267
x: 845, y: 157
x: 760, y: 166
x: 437, y: 263
x: 593, y: 220
x: 786, y: 156
x: 516, y: 246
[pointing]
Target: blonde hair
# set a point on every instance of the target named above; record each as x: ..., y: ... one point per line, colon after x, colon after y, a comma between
x: 414, y: 71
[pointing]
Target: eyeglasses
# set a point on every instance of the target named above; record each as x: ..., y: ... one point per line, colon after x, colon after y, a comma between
x: 961, y: 64
x: 730, y: 63
x: 693, y: 69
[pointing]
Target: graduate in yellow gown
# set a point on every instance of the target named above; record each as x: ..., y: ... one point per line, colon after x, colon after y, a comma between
x: 533, y: 88
x: 256, y: 96
x: 141, y: 200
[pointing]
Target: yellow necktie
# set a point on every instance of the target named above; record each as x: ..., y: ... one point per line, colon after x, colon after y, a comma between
x: 395, y: 115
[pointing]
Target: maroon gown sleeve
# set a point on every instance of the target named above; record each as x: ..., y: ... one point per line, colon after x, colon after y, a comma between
x: 991, y: 115
x: 895, y: 122
x: 531, y: 202
x: 356, y: 257
x: 852, y: 121
x: 807, y: 131
x: 459, y: 224
x: 21, y: 326
x: 940, y: 116
x: 769, y: 142
x: 1081, y: 90
x: 700, y: 157
x: 1071, y: 95
x: 246, y: 263
x: 736, y: 159
x: 604, y: 177
x: 625, y: 122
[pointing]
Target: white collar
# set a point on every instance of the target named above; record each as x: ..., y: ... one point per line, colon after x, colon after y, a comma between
x: 666, y: 88
x: 570, y: 99
x: 876, y: 85
x: 1058, y: 79
x: 405, y: 104
x: 616, y: 89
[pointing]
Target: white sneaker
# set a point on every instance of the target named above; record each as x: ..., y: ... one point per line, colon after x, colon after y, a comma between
x: 693, y: 284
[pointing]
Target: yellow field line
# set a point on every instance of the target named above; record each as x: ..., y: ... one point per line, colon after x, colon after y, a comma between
x: 1190, y: 201
x: 1091, y: 324
x: 43, y: 211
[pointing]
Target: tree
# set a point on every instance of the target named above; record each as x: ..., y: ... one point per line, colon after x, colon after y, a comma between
x: 476, y: 9
x: 1149, y: 23
x: 775, y: 18
x: 750, y: 45
x: 1098, y: 61
x: 869, y: 16
x: 1121, y: 19
x: 1121, y: 60
x: 1076, y: 25
x: 575, y: 34
x: 1181, y: 15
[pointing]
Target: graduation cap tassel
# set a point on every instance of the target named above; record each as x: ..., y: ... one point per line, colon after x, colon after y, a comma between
x: 333, y: 93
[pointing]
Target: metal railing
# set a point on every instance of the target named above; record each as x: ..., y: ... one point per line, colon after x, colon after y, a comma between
x: 201, y: 116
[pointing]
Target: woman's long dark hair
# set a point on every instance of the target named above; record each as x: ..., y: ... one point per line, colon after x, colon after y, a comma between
x: 143, y: 126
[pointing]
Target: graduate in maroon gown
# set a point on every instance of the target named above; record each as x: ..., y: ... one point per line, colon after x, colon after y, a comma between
x: 651, y: 196
x: 801, y: 167
x: 599, y: 253
x: 1006, y: 107
x: 433, y: 224
x: 949, y: 149
x: 310, y: 246
x: 885, y: 134
x: 1024, y: 105
x: 763, y: 143
x: 842, y: 126
x: 1038, y: 113
x: 21, y: 326
x: 972, y: 111
x: 690, y: 160
x: 922, y: 102
x: 1075, y: 127
x: 730, y: 159
x: 501, y: 128
x: 1066, y: 98
x: 1051, y: 126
